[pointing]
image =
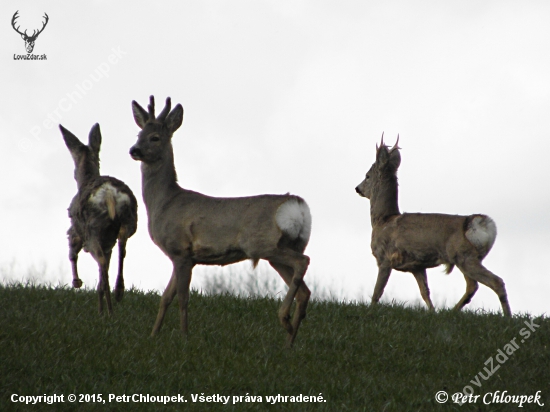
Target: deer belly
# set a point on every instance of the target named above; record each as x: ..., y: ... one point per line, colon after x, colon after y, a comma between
x: 405, y: 261
x: 211, y: 256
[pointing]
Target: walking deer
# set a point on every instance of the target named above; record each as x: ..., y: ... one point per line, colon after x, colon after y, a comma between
x: 413, y: 242
x: 103, y: 210
x: 192, y: 228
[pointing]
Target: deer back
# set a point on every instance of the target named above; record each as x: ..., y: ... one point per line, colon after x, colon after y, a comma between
x: 417, y: 240
x: 102, y: 204
x: 212, y: 230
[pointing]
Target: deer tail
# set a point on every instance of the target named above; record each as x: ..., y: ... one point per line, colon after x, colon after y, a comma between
x: 110, y: 202
x: 481, y: 231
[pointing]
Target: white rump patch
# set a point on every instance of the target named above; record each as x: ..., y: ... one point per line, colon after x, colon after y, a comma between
x: 294, y: 219
x: 482, y: 232
x: 98, y: 197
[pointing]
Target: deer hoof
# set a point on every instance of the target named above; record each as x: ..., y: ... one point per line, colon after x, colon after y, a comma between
x: 290, y: 330
x: 119, y: 293
x: 77, y: 283
x: 285, y: 322
x: 290, y: 341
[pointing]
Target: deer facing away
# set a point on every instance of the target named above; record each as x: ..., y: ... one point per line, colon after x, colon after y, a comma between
x: 192, y: 228
x: 413, y: 242
x: 103, y: 210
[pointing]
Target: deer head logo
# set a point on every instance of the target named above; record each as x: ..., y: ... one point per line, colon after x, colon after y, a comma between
x: 29, y: 40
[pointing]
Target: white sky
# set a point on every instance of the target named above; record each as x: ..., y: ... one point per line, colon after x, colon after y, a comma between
x: 290, y: 96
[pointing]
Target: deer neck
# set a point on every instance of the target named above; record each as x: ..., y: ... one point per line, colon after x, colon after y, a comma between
x: 384, y: 202
x: 84, y: 175
x: 159, y: 183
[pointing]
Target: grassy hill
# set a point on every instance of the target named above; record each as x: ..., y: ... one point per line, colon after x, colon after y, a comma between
x: 347, y: 356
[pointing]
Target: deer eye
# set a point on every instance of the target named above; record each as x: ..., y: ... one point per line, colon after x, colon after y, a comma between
x: 154, y: 138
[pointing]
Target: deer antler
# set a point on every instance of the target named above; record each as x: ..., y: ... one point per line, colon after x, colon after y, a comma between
x: 35, y: 34
x: 165, y: 111
x: 395, y: 146
x: 15, y: 16
x: 381, y: 142
x: 151, y: 107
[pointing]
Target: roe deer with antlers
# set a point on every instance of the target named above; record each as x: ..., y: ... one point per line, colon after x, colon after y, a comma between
x: 413, y: 242
x: 192, y: 228
x: 103, y: 210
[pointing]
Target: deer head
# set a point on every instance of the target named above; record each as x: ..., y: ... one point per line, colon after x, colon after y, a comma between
x: 29, y: 40
x: 86, y: 157
x: 154, y: 140
x: 385, y: 167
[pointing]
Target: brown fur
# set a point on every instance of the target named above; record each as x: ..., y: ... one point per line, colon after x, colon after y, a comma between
x: 413, y: 242
x: 192, y: 228
x: 96, y: 227
x: 111, y: 205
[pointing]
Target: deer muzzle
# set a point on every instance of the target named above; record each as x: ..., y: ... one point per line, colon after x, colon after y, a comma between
x: 136, y: 153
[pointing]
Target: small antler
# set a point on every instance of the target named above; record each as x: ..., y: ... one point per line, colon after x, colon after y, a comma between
x: 395, y: 146
x: 151, y: 107
x: 381, y: 142
x: 165, y: 111
x: 162, y: 116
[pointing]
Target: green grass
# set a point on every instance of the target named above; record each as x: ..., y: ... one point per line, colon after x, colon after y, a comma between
x: 387, y: 357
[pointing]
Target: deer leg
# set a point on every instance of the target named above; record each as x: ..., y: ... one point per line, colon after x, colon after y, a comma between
x: 75, y: 246
x: 105, y: 273
x: 302, y: 298
x: 179, y: 284
x: 422, y: 280
x: 119, y: 285
x: 183, y: 280
x: 102, y: 260
x: 475, y: 270
x: 97, y: 254
x: 298, y: 262
x: 165, y: 301
x: 381, y: 282
x: 286, y: 273
x: 471, y: 289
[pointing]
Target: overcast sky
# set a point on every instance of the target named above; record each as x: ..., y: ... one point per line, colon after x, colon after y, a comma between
x: 289, y: 96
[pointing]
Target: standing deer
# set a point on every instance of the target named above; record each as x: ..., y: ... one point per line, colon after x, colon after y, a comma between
x: 103, y: 210
x: 192, y: 228
x: 413, y: 242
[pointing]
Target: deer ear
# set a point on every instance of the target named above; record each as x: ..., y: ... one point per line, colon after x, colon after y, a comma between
x: 94, y: 139
x: 382, y: 157
x: 395, y: 159
x: 140, y: 115
x: 174, y: 119
x: 388, y: 158
x: 71, y: 140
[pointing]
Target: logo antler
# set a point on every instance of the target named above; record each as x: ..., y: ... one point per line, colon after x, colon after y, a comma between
x: 29, y: 40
